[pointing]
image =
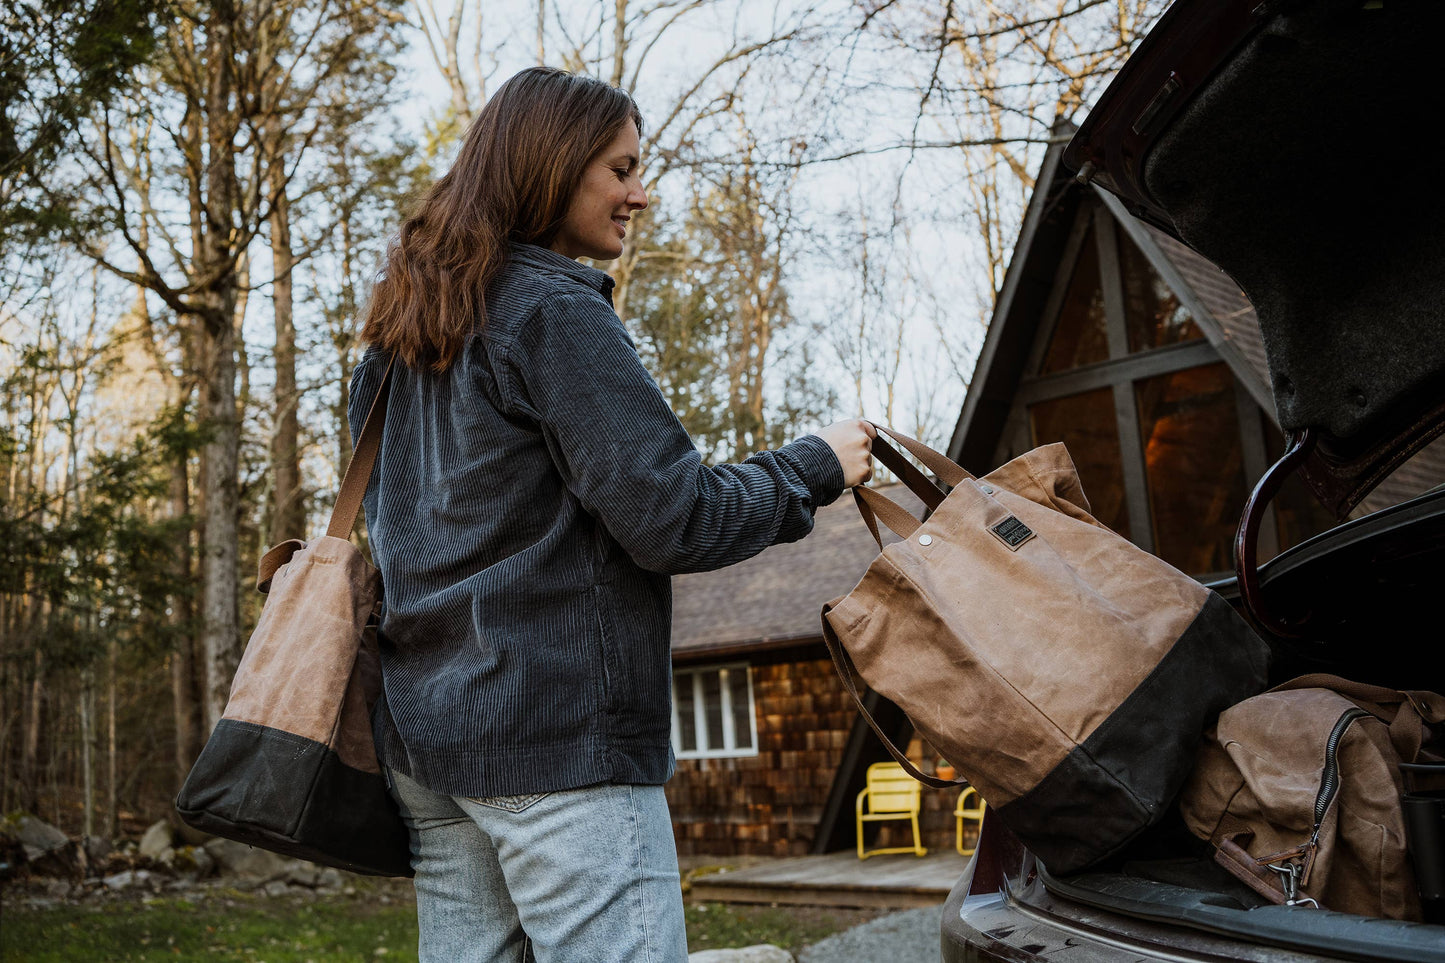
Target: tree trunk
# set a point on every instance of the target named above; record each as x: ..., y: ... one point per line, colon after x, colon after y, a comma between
x: 30, y: 752
x: 186, y: 705
x: 287, y: 515
x: 220, y: 632
x: 220, y: 629
x: 345, y: 348
x: 87, y: 757
x: 112, y: 805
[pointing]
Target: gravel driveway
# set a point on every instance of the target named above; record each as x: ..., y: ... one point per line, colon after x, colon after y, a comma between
x: 911, y: 935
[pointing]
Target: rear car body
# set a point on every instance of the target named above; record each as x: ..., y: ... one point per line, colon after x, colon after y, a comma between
x: 1285, y: 140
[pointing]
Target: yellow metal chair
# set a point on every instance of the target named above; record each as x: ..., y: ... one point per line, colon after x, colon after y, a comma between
x: 970, y: 807
x: 890, y: 794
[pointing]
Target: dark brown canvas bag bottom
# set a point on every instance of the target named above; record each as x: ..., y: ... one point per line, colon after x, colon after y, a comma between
x: 1123, y: 778
x: 291, y: 795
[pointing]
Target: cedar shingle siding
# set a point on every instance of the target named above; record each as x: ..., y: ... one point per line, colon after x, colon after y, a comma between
x: 770, y: 804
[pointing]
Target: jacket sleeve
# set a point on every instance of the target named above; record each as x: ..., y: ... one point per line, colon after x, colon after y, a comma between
x: 573, y: 369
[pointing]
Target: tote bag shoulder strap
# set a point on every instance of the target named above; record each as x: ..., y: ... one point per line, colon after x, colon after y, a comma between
x: 363, y: 457
x: 353, y: 487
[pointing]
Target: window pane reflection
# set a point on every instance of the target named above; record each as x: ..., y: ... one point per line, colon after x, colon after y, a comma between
x: 1081, y: 337
x: 1195, y: 471
x: 1153, y: 314
x: 741, y: 708
x: 1085, y: 424
x: 686, y: 720
x: 712, y: 706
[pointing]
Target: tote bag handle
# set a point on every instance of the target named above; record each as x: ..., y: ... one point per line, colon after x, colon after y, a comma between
x: 875, y: 506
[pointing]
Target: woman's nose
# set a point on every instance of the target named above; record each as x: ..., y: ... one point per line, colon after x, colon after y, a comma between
x: 637, y: 199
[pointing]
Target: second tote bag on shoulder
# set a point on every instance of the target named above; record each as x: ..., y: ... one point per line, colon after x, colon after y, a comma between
x: 1067, y: 673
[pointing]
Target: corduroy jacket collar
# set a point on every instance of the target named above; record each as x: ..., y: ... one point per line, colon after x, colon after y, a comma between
x: 545, y: 259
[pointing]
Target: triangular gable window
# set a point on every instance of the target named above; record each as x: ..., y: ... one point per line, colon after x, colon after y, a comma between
x: 1082, y: 335
x: 1152, y: 312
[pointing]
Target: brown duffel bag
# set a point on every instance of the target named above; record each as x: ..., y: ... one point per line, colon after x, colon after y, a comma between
x: 1066, y: 672
x: 1299, y: 791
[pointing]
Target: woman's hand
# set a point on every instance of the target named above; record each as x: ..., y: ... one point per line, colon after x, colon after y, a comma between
x: 852, y: 442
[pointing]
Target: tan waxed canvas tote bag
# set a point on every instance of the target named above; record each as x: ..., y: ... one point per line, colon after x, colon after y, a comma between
x: 291, y: 766
x: 1065, y: 672
x: 1299, y: 789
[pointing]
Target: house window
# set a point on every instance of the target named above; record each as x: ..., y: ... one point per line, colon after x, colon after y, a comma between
x: 1081, y: 336
x: 712, y: 713
x: 1165, y: 441
x: 1152, y: 312
x: 1085, y: 423
x: 1194, y: 464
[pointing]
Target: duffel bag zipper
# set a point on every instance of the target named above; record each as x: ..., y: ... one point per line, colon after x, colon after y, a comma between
x: 1290, y: 870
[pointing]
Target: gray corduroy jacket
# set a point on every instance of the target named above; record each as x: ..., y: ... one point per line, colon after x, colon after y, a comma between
x: 526, y: 511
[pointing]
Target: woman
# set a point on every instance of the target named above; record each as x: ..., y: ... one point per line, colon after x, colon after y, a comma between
x: 532, y: 496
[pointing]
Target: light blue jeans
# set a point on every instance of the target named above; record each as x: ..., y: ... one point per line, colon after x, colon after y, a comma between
x: 584, y: 875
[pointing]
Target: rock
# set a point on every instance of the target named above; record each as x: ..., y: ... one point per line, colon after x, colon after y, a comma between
x: 46, y: 850
x: 156, y: 840
x: 330, y: 879
x: 190, y: 861
x: 761, y: 953
x: 97, y: 849
x: 247, y: 862
x: 58, y: 888
x: 37, y: 836
x: 277, y: 887
x: 127, y: 879
x: 304, y: 874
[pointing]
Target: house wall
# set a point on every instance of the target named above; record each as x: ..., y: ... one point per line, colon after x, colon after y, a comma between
x: 770, y: 804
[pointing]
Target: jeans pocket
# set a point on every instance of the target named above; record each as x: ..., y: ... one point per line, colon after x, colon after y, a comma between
x: 511, y: 804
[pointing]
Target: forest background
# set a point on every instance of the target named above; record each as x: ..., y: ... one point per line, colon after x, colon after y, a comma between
x: 194, y: 198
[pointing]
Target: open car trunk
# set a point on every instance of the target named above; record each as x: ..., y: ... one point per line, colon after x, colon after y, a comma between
x: 1289, y: 142
x: 1373, y: 587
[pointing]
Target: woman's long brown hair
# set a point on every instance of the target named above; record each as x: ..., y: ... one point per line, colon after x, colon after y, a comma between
x: 513, y: 180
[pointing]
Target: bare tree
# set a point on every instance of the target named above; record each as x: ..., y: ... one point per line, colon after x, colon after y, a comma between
x: 234, y: 76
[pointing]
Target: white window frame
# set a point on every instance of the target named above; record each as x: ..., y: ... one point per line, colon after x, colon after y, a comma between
x: 728, y: 737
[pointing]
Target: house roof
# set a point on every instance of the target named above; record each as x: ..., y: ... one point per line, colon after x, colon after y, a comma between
x: 775, y: 599
x: 1218, y: 306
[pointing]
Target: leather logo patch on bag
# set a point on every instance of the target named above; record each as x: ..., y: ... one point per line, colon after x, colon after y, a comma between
x: 1012, y: 532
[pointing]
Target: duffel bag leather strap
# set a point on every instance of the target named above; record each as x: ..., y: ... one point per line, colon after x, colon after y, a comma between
x: 1406, y: 712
